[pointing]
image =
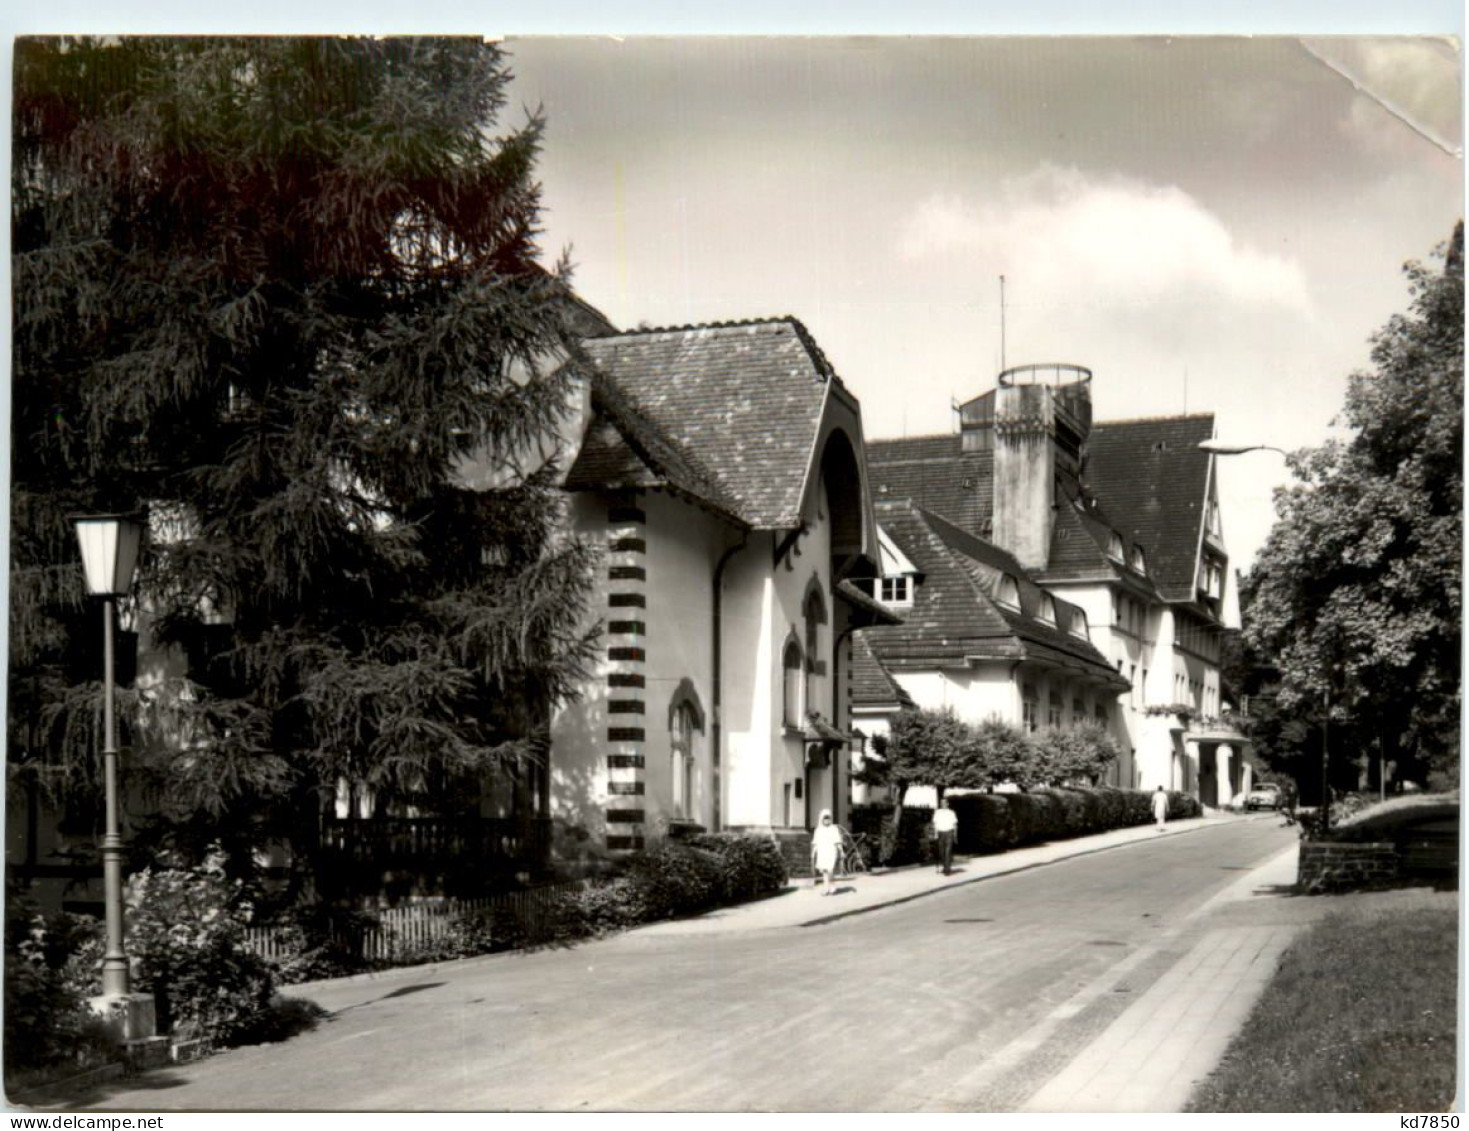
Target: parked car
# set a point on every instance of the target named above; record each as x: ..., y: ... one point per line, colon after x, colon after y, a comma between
x: 1267, y: 795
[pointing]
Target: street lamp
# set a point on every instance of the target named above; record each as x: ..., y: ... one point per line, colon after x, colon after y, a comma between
x: 109, y: 545
x: 1220, y: 448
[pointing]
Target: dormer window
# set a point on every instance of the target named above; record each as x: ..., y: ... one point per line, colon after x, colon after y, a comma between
x: 1138, y: 562
x: 1009, y: 594
x: 1114, y: 548
x: 896, y: 591
x: 1078, y: 624
x: 1211, y: 579
x: 1047, y: 611
x: 1213, y: 518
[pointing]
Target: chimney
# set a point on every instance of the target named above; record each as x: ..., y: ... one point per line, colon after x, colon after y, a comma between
x: 1042, y: 416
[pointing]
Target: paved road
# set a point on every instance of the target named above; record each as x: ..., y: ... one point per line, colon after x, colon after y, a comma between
x: 968, y: 999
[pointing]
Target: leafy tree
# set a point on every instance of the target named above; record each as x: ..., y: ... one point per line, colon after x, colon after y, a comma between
x: 1003, y: 753
x: 1356, y: 598
x: 1076, y: 754
x: 925, y: 746
x: 284, y: 294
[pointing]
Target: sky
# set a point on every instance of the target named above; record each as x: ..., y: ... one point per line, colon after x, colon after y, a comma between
x: 1208, y: 224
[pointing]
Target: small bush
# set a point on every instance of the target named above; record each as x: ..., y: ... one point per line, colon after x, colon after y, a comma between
x: 677, y: 879
x: 750, y: 866
x: 49, y: 969
x: 186, y: 927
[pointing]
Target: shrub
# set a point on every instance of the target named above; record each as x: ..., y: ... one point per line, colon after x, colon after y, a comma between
x: 186, y: 928
x: 985, y: 823
x: 750, y: 866
x: 994, y: 822
x: 313, y: 942
x: 49, y: 969
x: 903, y: 842
x: 1181, y: 805
x: 676, y: 879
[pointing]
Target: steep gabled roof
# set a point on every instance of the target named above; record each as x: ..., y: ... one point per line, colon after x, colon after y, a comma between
x: 623, y: 448
x: 936, y: 474
x: 872, y: 685
x: 957, y: 613
x: 742, y: 402
x: 1153, y: 481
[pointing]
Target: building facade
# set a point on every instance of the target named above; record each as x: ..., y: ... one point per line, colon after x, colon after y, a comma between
x: 1118, y: 525
x: 722, y: 470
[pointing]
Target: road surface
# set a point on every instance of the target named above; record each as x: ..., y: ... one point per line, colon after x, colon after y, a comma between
x: 969, y: 999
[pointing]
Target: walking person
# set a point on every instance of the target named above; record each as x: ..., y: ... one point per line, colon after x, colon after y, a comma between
x: 946, y: 826
x: 1160, y: 807
x: 826, y: 848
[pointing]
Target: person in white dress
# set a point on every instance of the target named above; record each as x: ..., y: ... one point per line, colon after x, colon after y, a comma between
x: 826, y: 848
x: 1160, y: 807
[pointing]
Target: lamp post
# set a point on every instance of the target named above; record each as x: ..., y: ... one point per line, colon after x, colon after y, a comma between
x: 1220, y: 448
x: 109, y: 545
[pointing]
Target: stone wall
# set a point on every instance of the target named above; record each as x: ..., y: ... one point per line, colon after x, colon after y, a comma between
x: 1334, y: 866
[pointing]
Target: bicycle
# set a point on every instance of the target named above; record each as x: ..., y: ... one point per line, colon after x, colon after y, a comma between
x: 853, y: 858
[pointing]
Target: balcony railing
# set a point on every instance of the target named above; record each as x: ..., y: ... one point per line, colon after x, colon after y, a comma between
x: 455, y: 854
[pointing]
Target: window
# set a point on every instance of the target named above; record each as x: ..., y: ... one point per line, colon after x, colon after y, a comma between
x: 1114, y: 547
x: 1053, y: 711
x: 1099, y: 712
x: 815, y: 616
x: 1132, y: 679
x: 897, y: 590
x: 1078, y: 712
x: 1139, y: 562
x: 1078, y: 623
x: 1009, y: 593
x: 1214, y: 517
x: 685, y: 717
x: 1047, y: 611
x: 681, y: 747
x: 1028, y: 709
x: 794, y: 665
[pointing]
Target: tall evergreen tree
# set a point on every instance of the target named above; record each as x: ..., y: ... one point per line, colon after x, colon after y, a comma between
x: 284, y: 295
x: 1356, y: 597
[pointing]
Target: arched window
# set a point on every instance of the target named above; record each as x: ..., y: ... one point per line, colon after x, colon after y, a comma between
x: 1047, y: 611
x: 793, y: 664
x: 685, y: 717
x: 1009, y: 594
x: 813, y: 609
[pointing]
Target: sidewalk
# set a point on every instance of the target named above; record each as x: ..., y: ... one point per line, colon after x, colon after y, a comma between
x: 1152, y: 1057
x: 803, y: 905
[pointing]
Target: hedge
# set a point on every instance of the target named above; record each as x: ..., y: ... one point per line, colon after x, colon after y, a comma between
x: 995, y: 822
x: 671, y: 879
x: 909, y: 844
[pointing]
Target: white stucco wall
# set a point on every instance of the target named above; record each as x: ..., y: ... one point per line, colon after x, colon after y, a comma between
x: 684, y: 546
x: 578, y: 773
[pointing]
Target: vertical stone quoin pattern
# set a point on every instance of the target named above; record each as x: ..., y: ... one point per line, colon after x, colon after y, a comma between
x: 627, y: 658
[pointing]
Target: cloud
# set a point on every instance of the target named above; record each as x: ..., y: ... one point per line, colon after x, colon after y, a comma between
x: 1409, y: 89
x: 1098, y: 241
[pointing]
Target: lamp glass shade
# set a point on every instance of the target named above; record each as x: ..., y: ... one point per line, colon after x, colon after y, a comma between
x: 109, y: 544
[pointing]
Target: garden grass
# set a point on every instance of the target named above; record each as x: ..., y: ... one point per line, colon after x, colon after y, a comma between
x: 1360, y: 1017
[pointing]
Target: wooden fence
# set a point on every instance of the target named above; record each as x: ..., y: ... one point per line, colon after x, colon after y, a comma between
x: 404, y: 931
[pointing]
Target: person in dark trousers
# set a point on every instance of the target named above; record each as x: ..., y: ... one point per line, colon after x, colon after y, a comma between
x: 945, y: 825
